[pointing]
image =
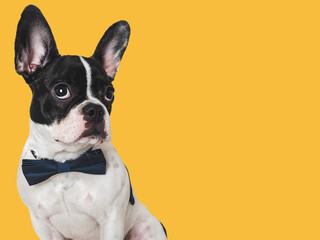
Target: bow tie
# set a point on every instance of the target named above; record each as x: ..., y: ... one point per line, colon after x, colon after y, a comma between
x: 37, y: 171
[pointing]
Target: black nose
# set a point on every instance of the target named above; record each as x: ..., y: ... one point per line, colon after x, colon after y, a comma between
x: 93, y: 112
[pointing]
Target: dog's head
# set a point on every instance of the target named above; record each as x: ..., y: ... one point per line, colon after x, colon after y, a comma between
x: 72, y: 95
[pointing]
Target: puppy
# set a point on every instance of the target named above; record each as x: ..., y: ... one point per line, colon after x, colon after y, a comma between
x: 70, y: 176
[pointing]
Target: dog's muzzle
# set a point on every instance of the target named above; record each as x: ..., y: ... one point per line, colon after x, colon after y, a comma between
x: 94, y: 114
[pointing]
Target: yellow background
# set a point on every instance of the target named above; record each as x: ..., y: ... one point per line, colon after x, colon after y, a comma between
x: 216, y: 112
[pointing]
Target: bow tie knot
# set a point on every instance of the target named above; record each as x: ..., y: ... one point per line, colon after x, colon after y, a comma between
x: 63, y: 167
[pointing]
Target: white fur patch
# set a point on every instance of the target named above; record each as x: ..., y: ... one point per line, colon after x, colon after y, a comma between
x: 88, y: 75
x: 42, y: 142
x: 70, y: 129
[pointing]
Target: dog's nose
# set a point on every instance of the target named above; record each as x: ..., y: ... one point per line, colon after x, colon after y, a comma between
x: 93, y: 112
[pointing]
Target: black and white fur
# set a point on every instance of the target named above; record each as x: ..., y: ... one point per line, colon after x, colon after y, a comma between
x: 72, y: 99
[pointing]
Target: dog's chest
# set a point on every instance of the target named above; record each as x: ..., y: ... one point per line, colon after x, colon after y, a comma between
x: 70, y: 205
x: 73, y: 203
x: 64, y: 192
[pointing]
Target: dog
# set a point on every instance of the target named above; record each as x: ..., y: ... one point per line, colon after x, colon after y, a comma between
x: 70, y: 176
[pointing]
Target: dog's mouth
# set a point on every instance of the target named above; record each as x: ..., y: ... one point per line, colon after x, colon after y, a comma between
x: 95, y: 130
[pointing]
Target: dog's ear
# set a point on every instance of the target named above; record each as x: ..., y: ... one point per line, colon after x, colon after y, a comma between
x: 111, y: 47
x: 34, y: 44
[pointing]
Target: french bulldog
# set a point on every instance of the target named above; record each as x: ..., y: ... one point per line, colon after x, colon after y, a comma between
x: 70, y: 176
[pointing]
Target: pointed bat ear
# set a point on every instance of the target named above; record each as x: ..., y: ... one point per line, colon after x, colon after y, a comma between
x: 111, y: 47
x: 34, y: 44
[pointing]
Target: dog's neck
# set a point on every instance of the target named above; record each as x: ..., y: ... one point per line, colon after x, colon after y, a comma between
x: 44, y: 146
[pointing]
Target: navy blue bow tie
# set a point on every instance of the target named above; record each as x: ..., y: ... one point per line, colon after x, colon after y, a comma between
x: 37, y: 171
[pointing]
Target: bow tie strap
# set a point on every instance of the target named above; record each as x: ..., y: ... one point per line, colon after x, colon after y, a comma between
x: 36, y: 171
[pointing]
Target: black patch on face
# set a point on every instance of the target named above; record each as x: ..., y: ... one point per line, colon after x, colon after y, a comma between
x: 46, y: 107
x: 131, y: 198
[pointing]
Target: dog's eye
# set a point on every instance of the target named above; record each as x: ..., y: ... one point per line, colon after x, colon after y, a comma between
x: 62, y: 91
x: 109, y: 94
